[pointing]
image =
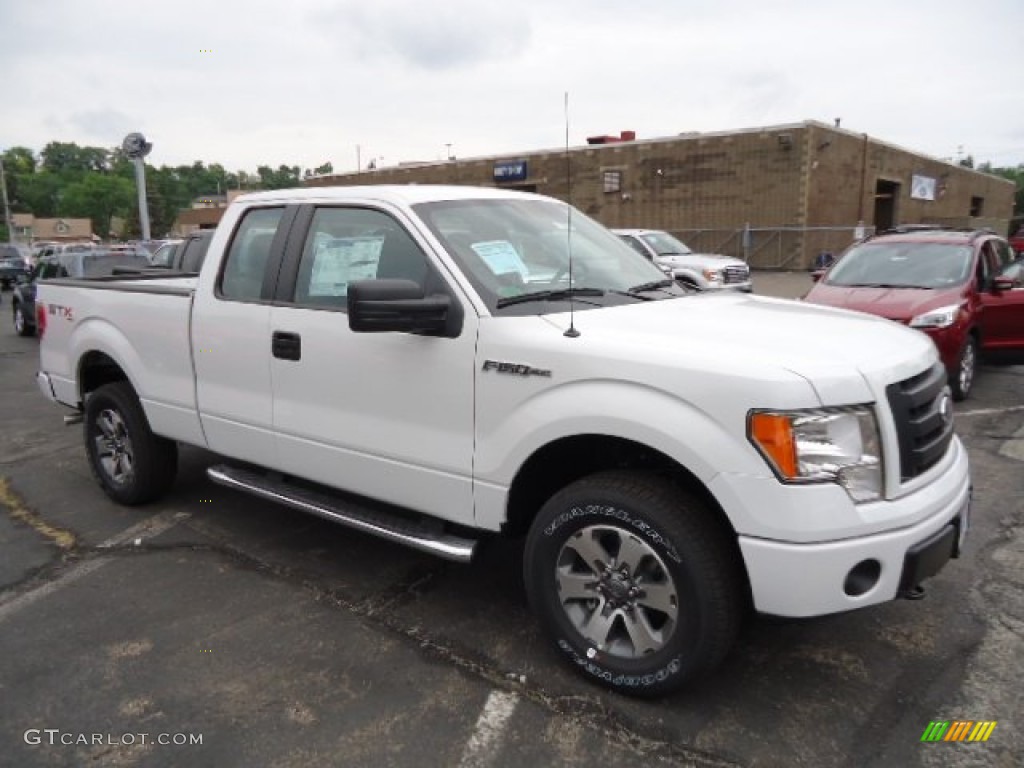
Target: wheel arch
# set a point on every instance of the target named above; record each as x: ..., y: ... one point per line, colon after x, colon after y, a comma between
x: 568, y: 459
x: 96, y: 368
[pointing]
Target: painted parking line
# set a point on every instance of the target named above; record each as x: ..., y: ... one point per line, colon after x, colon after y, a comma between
x: 153, y: 526
x: 482, y: 747
x: 989, y: 411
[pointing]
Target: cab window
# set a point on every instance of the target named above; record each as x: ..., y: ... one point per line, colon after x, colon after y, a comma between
x: 245, y: 266
x: 344, y: 245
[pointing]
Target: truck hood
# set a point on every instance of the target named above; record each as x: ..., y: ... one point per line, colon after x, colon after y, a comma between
x: 836, y: 351
x: 700, y: 260
x: 899, y: 304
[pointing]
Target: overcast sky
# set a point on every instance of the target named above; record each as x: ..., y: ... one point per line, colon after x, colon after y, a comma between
x: 302, y: 82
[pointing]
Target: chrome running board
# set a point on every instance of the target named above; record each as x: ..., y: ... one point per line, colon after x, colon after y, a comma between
x: 383, y: 524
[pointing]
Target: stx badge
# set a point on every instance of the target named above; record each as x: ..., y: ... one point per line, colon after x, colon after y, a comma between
x: 64, y: 312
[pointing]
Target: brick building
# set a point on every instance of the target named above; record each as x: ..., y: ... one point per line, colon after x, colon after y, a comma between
x: 776, y: 196
x: 28, y: 229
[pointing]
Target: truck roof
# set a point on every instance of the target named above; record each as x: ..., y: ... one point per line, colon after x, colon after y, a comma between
x: 405, y: 194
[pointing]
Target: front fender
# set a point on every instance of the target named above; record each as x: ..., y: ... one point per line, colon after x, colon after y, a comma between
x: 628, y: 410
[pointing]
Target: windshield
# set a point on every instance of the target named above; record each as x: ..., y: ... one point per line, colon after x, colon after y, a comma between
x: 902, y: 265
x: 664, y: 244
x: 516, y: 254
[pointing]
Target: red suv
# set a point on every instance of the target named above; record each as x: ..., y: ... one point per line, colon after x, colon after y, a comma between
x: 1017, y: 241
x: 963, y: 288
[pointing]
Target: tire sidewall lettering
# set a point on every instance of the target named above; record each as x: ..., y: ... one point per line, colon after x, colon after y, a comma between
x: 612, y: 512
x: 620, y: 680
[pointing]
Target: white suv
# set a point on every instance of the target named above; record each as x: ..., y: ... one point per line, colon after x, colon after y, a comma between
x: 697, y: 271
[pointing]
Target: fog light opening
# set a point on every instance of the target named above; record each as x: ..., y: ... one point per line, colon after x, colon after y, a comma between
x: 862, y: 578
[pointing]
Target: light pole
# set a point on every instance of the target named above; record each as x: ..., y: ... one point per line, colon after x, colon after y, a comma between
x: 7, y: 208
x: 136, y: 148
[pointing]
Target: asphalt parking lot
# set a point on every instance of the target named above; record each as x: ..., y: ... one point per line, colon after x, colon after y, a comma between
x: 277, y: 639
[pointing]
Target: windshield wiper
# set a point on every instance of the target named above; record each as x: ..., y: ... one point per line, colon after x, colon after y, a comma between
x: 651, y: 286
x: 881, y: 285
x: 560, y: 295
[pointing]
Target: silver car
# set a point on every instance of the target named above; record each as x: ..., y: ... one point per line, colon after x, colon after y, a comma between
x: 698, y: 271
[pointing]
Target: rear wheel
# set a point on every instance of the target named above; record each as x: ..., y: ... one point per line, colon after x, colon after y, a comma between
x: 634, y: 581
x: 963, y: 377
x: 131, y: 464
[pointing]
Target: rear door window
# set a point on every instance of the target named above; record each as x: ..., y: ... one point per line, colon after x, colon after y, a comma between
x: 246, y: 263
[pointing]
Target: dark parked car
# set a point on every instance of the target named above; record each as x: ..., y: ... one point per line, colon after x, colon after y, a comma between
x: 97, y: 262
x: 184, y: 255
x: 961, y: 287
x: 13, y: 262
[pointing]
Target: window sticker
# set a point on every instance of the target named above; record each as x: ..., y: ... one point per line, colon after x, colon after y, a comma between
x: 342, y: 260
x: 502, y: 257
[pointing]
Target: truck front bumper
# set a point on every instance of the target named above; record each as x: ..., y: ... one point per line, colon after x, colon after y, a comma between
x: 813, y: 579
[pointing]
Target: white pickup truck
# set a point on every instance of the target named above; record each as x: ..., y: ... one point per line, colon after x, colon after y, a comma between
x: 437, y: 364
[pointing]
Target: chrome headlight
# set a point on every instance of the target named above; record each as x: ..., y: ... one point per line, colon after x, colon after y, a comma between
x: 712, y: 275
x: 837, y: 445
x: 943, y: 317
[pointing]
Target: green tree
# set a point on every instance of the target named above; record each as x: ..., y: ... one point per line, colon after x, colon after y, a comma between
x: 37, y: 193
x: 19, y: 160
x: 69, y: 159
x: 283, y: 178
x: 98, y: 197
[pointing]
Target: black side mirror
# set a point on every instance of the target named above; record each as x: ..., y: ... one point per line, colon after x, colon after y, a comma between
x: 817, y: 274
x: 376, y: 306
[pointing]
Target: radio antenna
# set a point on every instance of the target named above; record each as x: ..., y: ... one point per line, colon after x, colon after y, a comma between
x: 572, y: 333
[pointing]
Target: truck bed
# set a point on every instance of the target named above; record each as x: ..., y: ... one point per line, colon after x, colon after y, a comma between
x: 142, y: 322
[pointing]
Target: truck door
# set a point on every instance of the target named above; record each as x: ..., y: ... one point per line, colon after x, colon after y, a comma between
x: 384, y: 415
x: 230, y: 339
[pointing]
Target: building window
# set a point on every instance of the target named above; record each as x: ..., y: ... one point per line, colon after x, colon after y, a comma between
x: 977, y: 206
x: 612, y: 181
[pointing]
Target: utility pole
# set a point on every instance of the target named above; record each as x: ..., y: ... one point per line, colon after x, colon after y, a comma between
x: 7, y: 208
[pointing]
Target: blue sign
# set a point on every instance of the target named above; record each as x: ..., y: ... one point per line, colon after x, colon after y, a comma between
x: 510, y: 171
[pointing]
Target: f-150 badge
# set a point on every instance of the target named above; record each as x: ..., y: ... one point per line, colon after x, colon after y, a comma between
x: 516, y: 369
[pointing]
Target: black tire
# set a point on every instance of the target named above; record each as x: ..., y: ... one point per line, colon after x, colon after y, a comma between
x: 961, y: 381
x: 674, y: 543
x: 131, y: 464
x: 22, y: 325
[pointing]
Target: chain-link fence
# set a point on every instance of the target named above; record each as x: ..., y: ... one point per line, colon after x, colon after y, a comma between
x: 774, y: 247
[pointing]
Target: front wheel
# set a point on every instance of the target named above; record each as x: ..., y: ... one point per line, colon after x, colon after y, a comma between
x: 131, y: 464
x: 634, y: 581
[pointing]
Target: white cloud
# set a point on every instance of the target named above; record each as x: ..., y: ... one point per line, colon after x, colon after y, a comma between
x: 258, y: 82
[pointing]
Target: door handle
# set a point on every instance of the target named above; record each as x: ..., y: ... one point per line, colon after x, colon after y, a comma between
x: 286, y: 346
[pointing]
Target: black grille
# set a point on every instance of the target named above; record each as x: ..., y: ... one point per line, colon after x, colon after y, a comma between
x: 735, y: 274
x: 923, y: 412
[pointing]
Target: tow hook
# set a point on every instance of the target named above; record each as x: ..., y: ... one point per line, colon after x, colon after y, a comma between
x: 914, y: 593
